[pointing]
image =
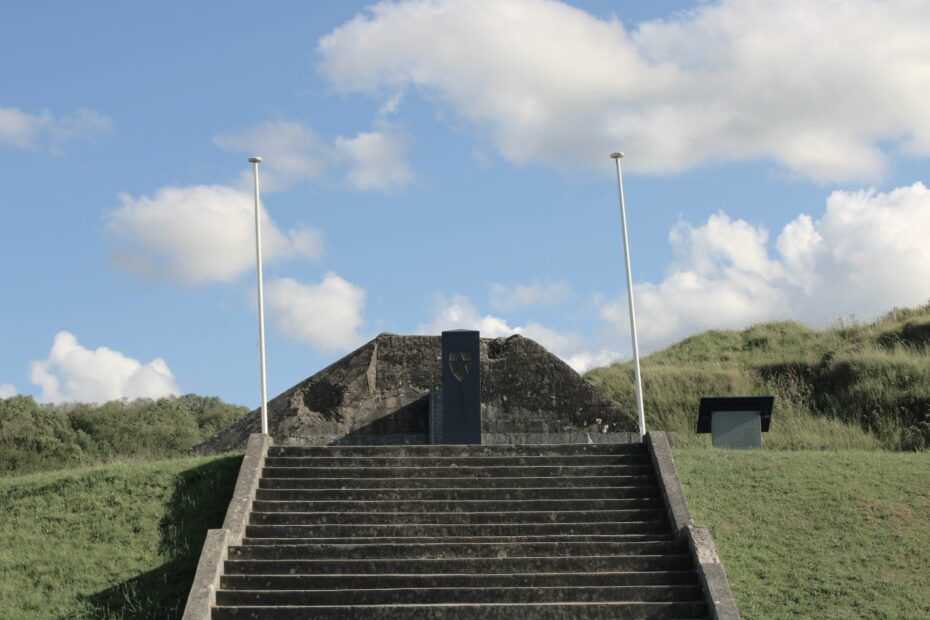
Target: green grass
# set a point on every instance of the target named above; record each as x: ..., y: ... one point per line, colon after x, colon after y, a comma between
x: 120, y: 541
x: 817, y: 534
x: 854, y: 386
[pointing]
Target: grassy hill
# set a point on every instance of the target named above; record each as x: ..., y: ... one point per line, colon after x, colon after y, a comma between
x: 807, y: 534
x: 802, y: 534
x: 854, y: 386
x: 116, y: 541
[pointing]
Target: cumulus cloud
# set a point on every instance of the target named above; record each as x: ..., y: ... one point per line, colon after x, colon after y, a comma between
x: 519, y: 295
x: 458, y: 312
x: 377, y: 161
x: 200, y: 234
x: 293, y: 153
x: 327, y: 315
x: 75, y: 374
x: 867, y: 253
x: 823, y: 89
x: 8, y: 390
x: 46, y: 131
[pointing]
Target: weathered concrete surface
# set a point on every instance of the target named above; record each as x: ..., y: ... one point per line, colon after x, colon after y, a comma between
x: 237, y: 513
x: 380, y: 394
x: 202, y: 596
x: 215, y: 550
x: 700, y: 541
x: 672, y: 492
x: 579, y: 437
x: 710, y: 569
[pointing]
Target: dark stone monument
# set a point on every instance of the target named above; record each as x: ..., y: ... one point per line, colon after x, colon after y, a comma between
x: 460, y: 412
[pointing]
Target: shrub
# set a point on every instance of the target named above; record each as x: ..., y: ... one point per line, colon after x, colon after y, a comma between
x: 37, y: 437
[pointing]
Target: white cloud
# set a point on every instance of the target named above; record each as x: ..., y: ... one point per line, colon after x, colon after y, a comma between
x: 75, y: 374
x: 327, y: 315
x: 8, y: 390
x: 46, y: 131
x: 538, y: 293
x: 20, y: 129
x: 293, y: 153
x: 390, y: 106
x: 458, y: 312
x: 377, y: 161
x: 200, y: 234
x: 868, y: 253
x: 820, y: 88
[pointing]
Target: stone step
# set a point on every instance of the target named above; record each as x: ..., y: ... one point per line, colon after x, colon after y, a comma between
x: 614, y: 563
x: 452, y: 518
x: 536, y: 611
x: 433, y: 596
x: 451, y: 450
x: 457, y: 580
x: 484, y: 529
x: 457, y: 461
x: 355, y: 493
x: 473, y: 505
x: 482, y: 472
x: 452, y: 550
x: 417, y: 540
x: 454, y: 482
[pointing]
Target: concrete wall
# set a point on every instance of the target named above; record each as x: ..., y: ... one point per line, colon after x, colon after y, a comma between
x: 700, y: 541
x: 210, y: 566
x: 380, y: 394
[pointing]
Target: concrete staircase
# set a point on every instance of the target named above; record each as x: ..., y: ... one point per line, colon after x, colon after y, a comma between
x: 532, y: 531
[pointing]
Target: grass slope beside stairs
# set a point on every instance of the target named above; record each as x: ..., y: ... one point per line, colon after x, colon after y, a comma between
x: 119, y: 541
x: 816, y: 534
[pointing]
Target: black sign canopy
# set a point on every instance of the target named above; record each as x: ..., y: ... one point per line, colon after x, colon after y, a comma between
x: 714, y: 404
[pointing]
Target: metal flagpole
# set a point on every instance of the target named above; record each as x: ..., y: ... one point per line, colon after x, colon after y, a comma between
x: 261, y: 297
x: 629, y: 293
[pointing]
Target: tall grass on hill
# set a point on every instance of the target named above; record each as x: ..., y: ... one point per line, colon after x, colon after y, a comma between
x: 36, y: 437
x: 854, y: 386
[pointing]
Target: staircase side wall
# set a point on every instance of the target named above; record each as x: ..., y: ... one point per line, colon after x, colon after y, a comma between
x: 216, y: 546
x: 700, y: 541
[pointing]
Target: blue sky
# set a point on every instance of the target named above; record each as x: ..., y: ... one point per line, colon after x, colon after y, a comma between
x: 432, y: 165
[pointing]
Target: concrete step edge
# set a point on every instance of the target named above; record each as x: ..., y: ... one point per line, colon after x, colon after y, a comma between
x: 478, y: 450
x: 253, y: 541
x: 545, y: 456
x: 479, y: 605
x: 626, y: 593
x: 472, y: 512
x: 618, y: 574
x: 438, y: 560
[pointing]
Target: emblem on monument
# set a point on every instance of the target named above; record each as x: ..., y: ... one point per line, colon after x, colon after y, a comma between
x: 460, y: 364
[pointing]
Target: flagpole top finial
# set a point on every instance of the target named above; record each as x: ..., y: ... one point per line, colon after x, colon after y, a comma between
x: 255, y: 160
x: 616, y: 155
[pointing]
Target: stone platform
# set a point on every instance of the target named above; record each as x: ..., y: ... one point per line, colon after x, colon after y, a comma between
x: 379, y: 394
